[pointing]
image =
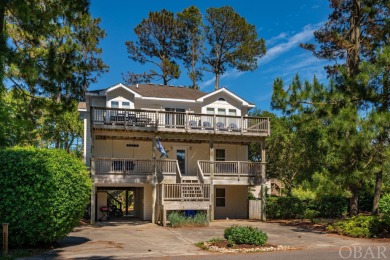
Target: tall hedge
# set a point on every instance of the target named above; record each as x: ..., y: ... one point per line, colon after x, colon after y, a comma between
x: 43, y: 193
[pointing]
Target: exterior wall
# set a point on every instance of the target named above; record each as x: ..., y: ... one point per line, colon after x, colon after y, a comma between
x: 118, y: 149
x: 147, y: 202
x: 229, y: 103
x: 162, y: 104
x: 101, y: 202
x: 120, y: 95
x: 98, y: 101
x: 236, y: 203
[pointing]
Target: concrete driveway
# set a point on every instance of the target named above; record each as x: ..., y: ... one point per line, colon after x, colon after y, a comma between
x: 141, y: 239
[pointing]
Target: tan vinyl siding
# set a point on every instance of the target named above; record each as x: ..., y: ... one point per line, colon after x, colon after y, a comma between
x: 148, y: 202
x: 236, y: 203
x: 101, y: 202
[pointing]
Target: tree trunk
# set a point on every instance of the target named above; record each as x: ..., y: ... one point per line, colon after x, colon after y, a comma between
x: 353, y: 201
x: 377, y: 193
x: 216, y: 81
x: 353, y: 52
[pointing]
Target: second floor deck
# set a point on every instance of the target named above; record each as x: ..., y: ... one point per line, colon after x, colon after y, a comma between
x: 168, y: 121
x: 130, y: 170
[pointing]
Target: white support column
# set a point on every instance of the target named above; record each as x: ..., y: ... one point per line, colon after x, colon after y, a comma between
x: 263, y: 180
x: 212, y: 159
x: 93, y: 204
x: 85, y: 140
x: 154, y: 180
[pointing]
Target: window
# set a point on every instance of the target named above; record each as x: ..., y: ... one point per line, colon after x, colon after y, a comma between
x: 221, y: 111
x: 210, y: 110
x: 126, y: 104
x: 220, y: 198
x: 220, y: 154
x: 221, y: 99
x: 232, y: 112
x: 115, y: 104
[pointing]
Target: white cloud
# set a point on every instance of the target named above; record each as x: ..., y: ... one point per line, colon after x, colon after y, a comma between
x: 275, y: 39
x: 305, y: 35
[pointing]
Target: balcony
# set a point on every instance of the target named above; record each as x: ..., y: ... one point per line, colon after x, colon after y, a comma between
x: 130, y: 170
x: 233, y: 172
x: 167, y: 121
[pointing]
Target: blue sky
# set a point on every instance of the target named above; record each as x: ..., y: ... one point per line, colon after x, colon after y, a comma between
x: 282, y: 24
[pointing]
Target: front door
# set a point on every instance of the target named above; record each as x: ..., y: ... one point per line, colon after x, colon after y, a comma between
x: 181, y: 156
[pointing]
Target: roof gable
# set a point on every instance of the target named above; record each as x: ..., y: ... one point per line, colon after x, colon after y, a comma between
x: 224, y: 90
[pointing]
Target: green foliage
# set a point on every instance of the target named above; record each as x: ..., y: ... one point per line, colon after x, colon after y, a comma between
x: 361, y: 226
x: 245, y: 235
x: 384, y: 204
x: 234, y: 42
x: 285, y: 207
x: 159, y: 39
x: 178, y: 219
x: 190, y: 21
x: 44, y: 194
x: 290, y: 207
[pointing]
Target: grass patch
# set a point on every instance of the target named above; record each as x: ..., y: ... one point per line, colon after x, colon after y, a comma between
x: 179, y: 219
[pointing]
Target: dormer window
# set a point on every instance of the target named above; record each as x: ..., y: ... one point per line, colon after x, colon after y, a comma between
x: 221, y: 99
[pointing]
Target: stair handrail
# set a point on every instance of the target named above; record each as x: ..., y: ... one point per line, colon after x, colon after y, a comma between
x: 178, y: 173
x: 200, y: 172
x: 112, y: 197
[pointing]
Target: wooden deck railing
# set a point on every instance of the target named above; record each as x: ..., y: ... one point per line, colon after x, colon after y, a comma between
x: 185, y: 192
x: 186, y: 121
x: 227, y: 169
x: 131, y: 166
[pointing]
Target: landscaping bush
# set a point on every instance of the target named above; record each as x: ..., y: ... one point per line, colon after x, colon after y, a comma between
x: 178, y: 219
x: 43, y: 194
x: 330, y: 207
x: 384, y: 204
x: 291, y: 207
x: 361, y: 226
x: 245, y: 235
x: 285, y: 207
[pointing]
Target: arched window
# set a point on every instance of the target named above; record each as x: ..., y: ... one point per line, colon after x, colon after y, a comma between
x: 221, y: 99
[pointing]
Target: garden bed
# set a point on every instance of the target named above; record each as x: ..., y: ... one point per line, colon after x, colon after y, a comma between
x: 223, y: 246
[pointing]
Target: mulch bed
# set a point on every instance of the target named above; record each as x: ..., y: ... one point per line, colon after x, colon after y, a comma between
x: 224, y: 247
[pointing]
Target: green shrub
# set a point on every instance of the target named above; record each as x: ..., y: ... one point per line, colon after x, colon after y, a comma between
x: 43, y: 194
x: 330, y: 207
x: 245, y: 235
x: 310, y: 214
x: 384, y: 204
x: 177, y: 219
x: 361, y: 226
x: 291, y: 207
x: 285, y: 207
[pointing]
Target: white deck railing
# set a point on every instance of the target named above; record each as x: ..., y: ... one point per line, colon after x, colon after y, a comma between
x: 185, y: 192
x: 229, y: 169
x: 131, y: 166
x: 187, y: 121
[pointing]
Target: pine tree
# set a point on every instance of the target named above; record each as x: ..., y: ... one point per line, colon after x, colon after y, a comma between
x: 233, y: 42
x: 159, y: 39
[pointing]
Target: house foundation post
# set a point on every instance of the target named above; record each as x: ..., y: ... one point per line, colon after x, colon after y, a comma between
x: 154, y: 180
x: 212, y: 159
x: 93, y: 204
x: 263, y: 180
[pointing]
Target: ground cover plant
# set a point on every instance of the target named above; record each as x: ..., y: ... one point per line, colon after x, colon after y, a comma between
x: 245, y: 235
x: 43, y: 196
x: 179, y: 219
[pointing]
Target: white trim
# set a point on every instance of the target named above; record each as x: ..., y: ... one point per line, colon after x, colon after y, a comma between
x: 82, y: 109
x: 120, y: 85
x: 244, y: 103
